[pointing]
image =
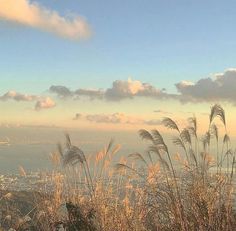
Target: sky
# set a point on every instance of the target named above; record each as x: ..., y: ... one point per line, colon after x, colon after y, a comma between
x: 115, y: 65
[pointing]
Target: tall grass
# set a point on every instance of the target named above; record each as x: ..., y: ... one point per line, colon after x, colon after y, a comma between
x: 191, y: 188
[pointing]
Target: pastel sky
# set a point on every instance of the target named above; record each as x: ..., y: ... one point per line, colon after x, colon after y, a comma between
x: 115, y: 64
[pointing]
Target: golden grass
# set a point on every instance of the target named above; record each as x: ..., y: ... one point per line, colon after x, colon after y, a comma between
x: 190, y: 189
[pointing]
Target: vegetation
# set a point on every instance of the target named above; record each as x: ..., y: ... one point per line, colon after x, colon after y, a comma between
x: 157, y: 190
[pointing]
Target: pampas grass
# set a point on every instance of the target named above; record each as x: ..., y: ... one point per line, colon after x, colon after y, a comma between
x: 157, y: 190
x: 188, y: 190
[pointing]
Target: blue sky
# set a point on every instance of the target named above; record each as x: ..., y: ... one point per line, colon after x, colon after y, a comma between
x: 160, y: 42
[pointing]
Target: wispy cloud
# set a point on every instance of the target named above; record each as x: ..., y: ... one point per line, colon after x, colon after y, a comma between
x: 31, y: 13
x: 19, y: 125
x: 114, y: 118
x: 162, y: 112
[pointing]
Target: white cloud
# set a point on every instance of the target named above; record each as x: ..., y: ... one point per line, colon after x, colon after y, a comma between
x: 122, y: 89
x: 32, y: 14
x: 44, y: 103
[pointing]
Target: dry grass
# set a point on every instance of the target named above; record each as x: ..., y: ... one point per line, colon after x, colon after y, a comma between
x: 157, y: 190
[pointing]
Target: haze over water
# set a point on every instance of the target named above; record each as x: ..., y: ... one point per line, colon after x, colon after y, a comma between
x: 31, y: 147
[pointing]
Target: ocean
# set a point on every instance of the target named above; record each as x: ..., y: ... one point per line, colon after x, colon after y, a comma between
x: 30, y: 147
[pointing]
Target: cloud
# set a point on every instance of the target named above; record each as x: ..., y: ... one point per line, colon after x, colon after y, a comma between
x: 64, y: 92
x: 17, y: 96
x: 130, y: 88
x: 219, y: 87
x: 34, y: 15
x: 115, y: 118
x: 162, y: 112
x: 91, y: 93
x: 120, y: 90
x: 41, y: 102
x: 61, y: 91
x: 44, y: 103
